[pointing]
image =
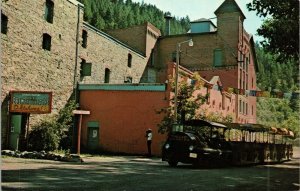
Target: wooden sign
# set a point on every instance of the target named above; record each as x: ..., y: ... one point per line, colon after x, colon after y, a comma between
x: 30, y: 102
x: 81, y: 112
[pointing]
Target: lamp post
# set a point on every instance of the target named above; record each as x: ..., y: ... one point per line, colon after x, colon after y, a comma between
x: 177, y: 73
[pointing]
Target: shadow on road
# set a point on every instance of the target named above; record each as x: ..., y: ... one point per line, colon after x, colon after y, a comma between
x: 150, y: 174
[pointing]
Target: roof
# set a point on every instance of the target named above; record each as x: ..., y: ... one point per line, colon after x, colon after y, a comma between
x: 252, y: 45
x: 109, y: 37
x: 229, y: 6
x: 123, y: 87
x: 203, y: 20
x: 199, y: 122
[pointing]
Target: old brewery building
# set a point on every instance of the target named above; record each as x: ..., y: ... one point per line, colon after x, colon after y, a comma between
x: 49, y: 54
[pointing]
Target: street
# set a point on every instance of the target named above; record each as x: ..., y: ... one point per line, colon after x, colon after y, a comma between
x: 136, y: 173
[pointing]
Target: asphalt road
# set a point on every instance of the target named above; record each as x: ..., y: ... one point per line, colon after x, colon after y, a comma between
x: 133, y: 173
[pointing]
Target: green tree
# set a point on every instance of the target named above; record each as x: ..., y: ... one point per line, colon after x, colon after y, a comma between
x: 188, y: 103
x: 277, y: 113
x: 281, y: 26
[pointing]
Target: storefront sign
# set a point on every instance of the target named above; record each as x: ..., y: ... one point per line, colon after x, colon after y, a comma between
x: 30, y: 102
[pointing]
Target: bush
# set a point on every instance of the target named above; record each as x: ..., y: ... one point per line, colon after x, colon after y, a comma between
x: 44, y: 137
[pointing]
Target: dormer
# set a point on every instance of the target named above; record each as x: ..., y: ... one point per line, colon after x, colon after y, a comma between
x: 202, y: 26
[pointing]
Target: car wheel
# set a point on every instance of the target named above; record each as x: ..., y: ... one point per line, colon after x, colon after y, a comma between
x: 173, y: 163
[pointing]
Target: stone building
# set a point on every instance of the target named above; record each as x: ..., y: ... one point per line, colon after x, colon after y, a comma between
x: 47, y: 47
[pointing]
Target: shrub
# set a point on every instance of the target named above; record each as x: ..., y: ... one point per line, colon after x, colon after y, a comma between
x: 44, y: 136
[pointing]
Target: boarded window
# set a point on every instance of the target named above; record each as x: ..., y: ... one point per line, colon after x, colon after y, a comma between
x: 218, y: 57
x: 129, y: 62
x: 84, y: 38
x: 49, y: 9
x: 85, y: 68
x: 46, y: 41
x: 4, y: 21
x: 107, y: 75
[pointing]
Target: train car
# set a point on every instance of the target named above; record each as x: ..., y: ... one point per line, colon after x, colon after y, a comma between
x: 202, y: 143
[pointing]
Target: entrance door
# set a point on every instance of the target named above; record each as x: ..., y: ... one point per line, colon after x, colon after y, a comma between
x: 15, y: 130
x: 93, y: 135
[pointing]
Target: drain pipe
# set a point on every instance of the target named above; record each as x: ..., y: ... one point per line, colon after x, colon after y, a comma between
x: 75, y: 80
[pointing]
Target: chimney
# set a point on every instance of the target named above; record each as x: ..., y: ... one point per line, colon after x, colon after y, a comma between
x: 168, y: 18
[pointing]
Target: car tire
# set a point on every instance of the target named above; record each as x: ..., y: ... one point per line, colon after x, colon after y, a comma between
x: 173, y: 163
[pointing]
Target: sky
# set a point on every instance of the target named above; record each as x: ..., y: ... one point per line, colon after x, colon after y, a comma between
x: 197, y: 9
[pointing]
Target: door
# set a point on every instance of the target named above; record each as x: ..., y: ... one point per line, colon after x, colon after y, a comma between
x: 15, y: 130
x: 93, y: 135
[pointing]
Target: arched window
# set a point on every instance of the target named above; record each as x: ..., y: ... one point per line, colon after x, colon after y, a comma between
x: 129, y: 63
x: 84, y: 38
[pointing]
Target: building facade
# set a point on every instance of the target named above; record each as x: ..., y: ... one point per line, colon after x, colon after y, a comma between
x: 225, y: 50
x: 121, y: 76
x: 47, y: 47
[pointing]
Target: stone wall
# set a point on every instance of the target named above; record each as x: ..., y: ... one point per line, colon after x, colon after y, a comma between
x: 26, y: 66
x: 104, y: 51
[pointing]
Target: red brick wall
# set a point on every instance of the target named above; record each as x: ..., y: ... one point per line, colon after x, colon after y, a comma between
x: 124, y: 116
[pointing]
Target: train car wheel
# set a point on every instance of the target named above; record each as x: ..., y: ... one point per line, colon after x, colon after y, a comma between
x: 173, y: 163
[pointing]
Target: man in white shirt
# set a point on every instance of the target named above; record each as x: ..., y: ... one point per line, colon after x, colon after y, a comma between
x: 149, y: 141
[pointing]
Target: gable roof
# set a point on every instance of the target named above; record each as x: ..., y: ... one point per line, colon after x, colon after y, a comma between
x: 216, y: 81
x: 229, y: 6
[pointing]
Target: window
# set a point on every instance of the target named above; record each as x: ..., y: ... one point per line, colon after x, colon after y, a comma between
x: 4, y: 21
x: 152, y: 58
x: 84, y: 38
x: 223, y: 101
x: 247, y: 63
x: 49, y: 8
x: 218, y: 57
x: 241, y: 76
x: 129, y: 62
x: 107, y: 75
x: 252, y: 110
x: 46, y: 41
x: 240, y: 108
x: 246, y: 81
x: 246, y: 108
x: 241, y: 60
x: 85, y: 68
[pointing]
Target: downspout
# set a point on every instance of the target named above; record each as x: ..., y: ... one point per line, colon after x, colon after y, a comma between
x: 75, y: 80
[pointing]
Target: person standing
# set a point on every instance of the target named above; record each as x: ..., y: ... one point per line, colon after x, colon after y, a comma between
x: 149, y: 141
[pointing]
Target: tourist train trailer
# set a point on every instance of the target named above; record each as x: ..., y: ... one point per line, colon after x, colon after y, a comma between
x: 202, y: 142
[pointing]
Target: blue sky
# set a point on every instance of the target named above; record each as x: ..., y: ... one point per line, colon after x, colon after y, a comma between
x: 197, y: 9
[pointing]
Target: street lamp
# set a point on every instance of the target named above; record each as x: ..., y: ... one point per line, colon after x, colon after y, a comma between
x: 176, y: 73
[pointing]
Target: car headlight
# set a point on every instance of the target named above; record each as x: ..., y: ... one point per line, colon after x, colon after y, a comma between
x: 191, y: 148
x: 167, y: 146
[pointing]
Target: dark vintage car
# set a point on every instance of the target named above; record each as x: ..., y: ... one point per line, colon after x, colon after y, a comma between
x: 198, y: 142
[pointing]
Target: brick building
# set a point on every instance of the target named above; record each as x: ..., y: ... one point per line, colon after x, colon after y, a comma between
x: 225, y: 50
x: 120, y: 74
